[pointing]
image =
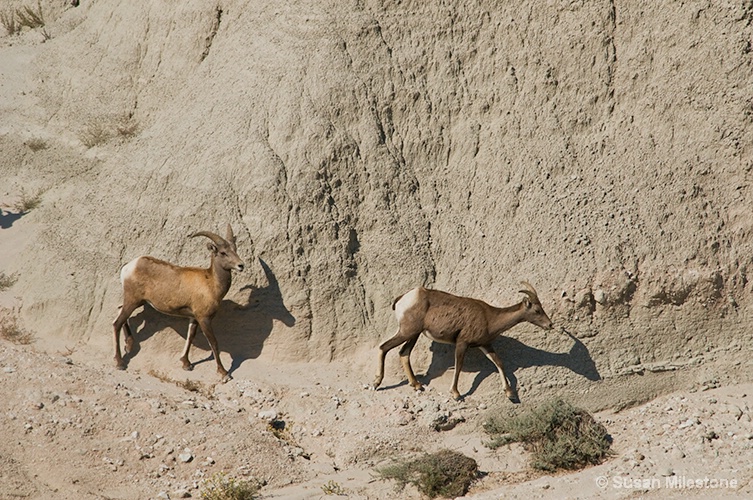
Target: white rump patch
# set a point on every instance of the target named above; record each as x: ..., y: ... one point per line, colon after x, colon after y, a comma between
x: 128, y: 270
x: 407, y: 301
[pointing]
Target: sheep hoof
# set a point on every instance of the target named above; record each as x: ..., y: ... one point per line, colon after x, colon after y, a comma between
x: 226, y: 378
x: 512, y: 396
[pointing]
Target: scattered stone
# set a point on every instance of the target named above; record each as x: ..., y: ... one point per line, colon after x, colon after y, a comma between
x: 667, y: 472
x: 185, y: 457
x: 710, y: 436
x: 182, y: 493
x: 689, y: 422
x: 404, y: 418
x: 268, y: 415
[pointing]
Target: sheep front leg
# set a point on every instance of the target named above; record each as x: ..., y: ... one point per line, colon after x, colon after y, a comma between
x: 206, y: 327
x: 460, y: 349
x: 490, y: 353
x: 187, y: 365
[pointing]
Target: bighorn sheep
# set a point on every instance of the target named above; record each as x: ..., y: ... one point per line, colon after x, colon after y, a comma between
x: 462, y: 321
x: 189, y: 292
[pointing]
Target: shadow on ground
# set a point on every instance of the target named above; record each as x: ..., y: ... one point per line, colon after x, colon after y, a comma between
x: 241, y: 329
x: 515, y: 355
x: 8, y: 218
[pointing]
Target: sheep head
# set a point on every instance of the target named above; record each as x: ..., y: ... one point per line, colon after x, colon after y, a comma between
x: 224, y: 250
x: 534, y: 310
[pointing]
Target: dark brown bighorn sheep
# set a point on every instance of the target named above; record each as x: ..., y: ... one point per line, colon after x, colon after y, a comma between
x: 189, y: 292
x: 462, y: 321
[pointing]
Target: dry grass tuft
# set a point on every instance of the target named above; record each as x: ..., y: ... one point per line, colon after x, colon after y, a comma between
x: 7, y: 280
x: 36, y: 144
x: 30, y: 18
x: 96, y: 131
x: 8, y: 20
x: 127, y: 127
x: 11, y: 331
x: 189, y: 385
x: 222, y: 487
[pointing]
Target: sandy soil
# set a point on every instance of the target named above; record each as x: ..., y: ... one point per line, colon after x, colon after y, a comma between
x: 74, y: 429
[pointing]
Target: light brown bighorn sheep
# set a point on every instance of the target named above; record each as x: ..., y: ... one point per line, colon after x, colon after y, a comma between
x: 189, y: 292
x: 462, y: 321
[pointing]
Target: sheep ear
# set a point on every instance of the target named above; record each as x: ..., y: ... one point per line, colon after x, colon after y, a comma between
x: 212, y: 247
x: 527, y: 302
x: 230, y: 236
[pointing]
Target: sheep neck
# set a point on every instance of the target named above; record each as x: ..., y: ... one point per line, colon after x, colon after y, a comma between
x: 222, y: 276
x: 505, y: 318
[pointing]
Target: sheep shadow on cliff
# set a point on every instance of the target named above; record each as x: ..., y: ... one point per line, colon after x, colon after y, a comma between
x: 241, y: 329
x: 515, y: 355
x: 246, y: 327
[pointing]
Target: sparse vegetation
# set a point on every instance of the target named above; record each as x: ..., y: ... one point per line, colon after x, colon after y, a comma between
x: 11, y: 331
x: 8, y: 20
x: 36, y: 144
x: 28, y: 201
x: 189, y: 385
x: 7, y: 280
x: 446, y: 473
x: 98, y: 130
x: 127, y: 127
x: 95, y: 132
x: 222, y: 487
x: 24, y: 17
x: 28, y: 17
x: 559, y: 435
x: 332, y: 487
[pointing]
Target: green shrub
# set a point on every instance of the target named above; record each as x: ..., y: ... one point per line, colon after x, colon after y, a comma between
x: 559, y: 435
x: 445, y: 473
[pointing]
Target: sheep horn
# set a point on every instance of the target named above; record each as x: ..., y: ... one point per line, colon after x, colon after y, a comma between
x: 218, y: 240
x: 530, y: 291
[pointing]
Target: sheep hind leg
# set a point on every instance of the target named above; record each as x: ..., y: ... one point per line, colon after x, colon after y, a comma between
x: 121, y: 323
x: 386, y: 347
x: 405, y: 361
